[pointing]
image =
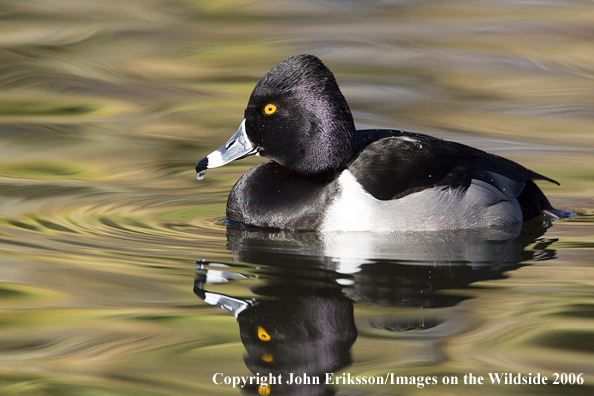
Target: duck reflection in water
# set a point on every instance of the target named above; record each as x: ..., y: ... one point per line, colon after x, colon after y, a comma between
x: 301, y: 325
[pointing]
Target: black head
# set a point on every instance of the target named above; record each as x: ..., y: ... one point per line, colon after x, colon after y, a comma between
x: 298, y: 117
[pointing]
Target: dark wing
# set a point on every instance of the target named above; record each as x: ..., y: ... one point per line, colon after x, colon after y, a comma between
x: 392, y: 164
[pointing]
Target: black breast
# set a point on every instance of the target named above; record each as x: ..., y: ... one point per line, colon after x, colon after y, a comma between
x: 272, y: 196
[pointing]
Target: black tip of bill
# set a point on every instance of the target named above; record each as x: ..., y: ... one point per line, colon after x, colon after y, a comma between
x: 201, y: 167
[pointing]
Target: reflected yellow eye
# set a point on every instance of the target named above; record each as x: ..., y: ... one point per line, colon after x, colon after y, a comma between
x: 262, y: 334
x: 267, y: 357
x: 264, y: 390
x: 269, y: 109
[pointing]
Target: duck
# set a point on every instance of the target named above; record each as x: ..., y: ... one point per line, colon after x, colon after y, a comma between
x: 323, y: 174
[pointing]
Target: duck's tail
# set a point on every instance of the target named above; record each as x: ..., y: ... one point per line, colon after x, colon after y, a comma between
x: 534, y: 203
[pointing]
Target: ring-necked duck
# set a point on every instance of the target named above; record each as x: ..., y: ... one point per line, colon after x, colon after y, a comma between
x: 325, y: 175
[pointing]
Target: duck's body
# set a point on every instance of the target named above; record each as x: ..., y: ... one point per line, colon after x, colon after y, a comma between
x: 326, y: 176
x: 398, y: 181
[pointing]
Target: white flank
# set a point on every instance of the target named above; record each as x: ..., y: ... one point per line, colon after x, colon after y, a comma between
x: 436, y: 208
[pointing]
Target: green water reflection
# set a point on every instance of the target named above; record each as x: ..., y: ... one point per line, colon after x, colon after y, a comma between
x: 106, y: 107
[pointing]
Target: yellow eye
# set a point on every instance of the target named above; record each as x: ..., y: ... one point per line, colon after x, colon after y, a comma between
x: 264, y: 390
x: 262, y: 334
x: 269, y: 109
x: 267, y: 357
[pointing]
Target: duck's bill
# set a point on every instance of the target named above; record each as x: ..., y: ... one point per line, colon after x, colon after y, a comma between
x: 239, y: 146
x: 231, y: 304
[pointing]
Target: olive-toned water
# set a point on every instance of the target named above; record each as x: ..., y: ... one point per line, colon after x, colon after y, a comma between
x: 106, y: 106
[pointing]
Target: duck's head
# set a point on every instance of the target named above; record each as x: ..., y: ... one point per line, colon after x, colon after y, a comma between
x: 297, y: 117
